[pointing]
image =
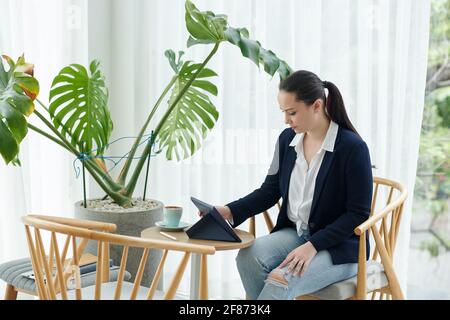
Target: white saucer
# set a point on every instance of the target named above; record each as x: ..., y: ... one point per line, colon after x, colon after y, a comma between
x: 182, y: 225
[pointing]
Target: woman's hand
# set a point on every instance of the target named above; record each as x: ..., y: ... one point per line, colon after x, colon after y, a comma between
x: 298, y: 260
x: 225, y: 212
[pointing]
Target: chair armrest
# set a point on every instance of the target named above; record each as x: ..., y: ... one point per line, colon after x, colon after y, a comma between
x: 366, y: 225
x: 94, y: 225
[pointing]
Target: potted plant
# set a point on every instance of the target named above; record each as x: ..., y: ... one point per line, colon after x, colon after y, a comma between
x: 79, y: 121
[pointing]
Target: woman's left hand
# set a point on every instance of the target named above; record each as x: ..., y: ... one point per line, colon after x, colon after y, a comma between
x: 298, y: 260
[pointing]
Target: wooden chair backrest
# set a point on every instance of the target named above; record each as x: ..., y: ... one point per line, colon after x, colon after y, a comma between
x: 52, y: 270
x: 388, y: 213
x: 383, y: 224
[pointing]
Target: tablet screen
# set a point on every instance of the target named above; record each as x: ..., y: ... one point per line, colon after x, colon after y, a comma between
x: 203, y: 207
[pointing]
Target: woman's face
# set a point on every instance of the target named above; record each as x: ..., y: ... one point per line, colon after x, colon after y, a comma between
x: 299, y: 116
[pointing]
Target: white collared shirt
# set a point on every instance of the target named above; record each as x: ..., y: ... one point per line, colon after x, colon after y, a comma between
x: 303, y: 179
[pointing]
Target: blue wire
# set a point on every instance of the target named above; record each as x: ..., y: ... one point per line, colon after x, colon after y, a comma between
x: 85, y: 156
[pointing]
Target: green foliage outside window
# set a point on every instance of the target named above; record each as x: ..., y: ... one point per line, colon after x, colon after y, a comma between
x: 432, y: 189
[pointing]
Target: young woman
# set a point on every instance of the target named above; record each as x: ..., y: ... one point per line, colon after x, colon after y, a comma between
x: 322, y: 171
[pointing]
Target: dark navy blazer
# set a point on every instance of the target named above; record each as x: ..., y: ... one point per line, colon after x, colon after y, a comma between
x: 342, y: 195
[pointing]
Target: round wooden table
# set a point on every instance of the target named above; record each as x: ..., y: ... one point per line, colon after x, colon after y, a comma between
x: 247, y: 238
x: 181, y: 236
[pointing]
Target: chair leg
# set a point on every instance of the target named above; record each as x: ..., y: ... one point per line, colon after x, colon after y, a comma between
x: 10, y: 293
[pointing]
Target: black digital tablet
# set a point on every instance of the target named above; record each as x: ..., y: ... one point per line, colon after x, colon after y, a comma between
x: 213, y: 227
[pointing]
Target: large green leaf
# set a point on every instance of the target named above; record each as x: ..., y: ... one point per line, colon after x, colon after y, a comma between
x: 255, y: 52
x: 79, y: 107
x: 18, y: 90
x: 205, y: 27
x: 193, y: 115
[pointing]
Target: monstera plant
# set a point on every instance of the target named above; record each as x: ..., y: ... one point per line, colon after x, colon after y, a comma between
x: 78, y: 118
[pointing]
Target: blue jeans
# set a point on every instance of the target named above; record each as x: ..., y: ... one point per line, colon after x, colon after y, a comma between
x: 257, y: 261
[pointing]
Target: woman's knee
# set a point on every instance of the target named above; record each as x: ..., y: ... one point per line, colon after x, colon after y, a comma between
x: 277, y: 277
x: 244, y: 257
x: 248, y: 259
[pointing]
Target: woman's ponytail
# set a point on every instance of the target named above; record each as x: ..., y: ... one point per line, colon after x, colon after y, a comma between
x: 335, y: 108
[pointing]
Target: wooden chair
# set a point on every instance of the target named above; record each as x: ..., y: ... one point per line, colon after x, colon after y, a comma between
x: 376, y: 276
x: 52, y: 276
x: 12, y: 272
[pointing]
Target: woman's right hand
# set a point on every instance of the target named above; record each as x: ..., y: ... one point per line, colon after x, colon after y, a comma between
x: 224, y: 211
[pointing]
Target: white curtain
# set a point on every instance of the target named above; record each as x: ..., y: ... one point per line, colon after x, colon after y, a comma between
x: 51, y: 34
x: 375, y: 51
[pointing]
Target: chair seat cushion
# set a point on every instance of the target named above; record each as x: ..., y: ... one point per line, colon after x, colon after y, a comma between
x: 376, y: 279
x: 108, y: 290
x: 14, y: 273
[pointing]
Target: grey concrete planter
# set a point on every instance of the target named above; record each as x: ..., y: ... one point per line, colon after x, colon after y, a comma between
x: 130, y: 224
